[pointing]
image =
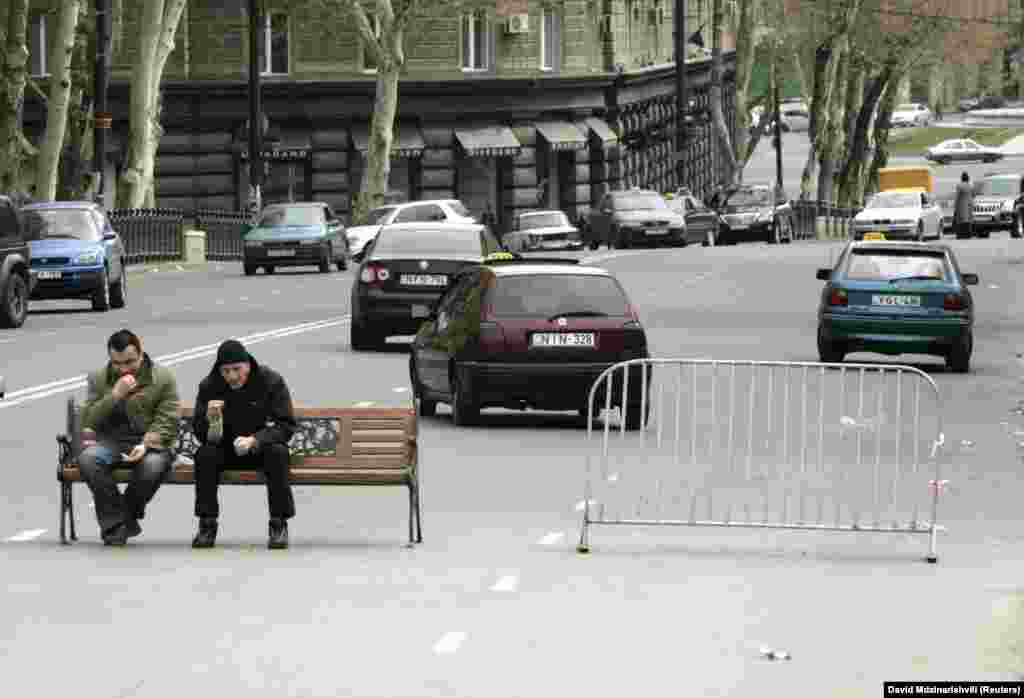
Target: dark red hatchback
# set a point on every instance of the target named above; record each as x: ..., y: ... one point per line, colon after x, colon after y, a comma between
x: 526, y: 333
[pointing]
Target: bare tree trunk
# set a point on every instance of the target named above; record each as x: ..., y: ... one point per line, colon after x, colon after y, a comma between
x: 57, y: 112
x: 378, y: 153
x: 723, y: 138
x: 14, y: 148
x: 160, y: 21
x: 830, y: 137
x: 882, y: 126
x: 746, y: 48
x: 818, y: 108
x: 71, y: 182
x: 854, y: 175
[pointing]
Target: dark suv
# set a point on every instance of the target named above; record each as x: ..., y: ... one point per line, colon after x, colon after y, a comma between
x: 15, y: 262
x: 629, y: 217
x: 523, y: 333
x: 998, y: 204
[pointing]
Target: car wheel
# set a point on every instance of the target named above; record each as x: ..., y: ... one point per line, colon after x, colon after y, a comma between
x: 14, y: 303
x: 829, y: 352
x: 709, y: 238
x: 325, y: 263
x: 342, y: 263
x: 959, y: 357
x: 270, y: 269
x: 361, y: 338
x: 464, y: 411
x: 424, y: 407
x: 249, y: 269
x: 920, y: 232
x: 101, y: 296
x: 119, y: 291
x: 774, y: 235
x: 1017, y: 231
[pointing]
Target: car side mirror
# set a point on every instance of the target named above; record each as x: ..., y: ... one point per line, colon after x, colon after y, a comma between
x: 970, y: 279
x: 110, y: 235
x: 824, y: 275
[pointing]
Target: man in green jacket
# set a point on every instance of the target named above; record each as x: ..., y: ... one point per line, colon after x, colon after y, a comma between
x: 130, y: 419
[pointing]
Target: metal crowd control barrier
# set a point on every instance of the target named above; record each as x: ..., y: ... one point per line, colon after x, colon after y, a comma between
x: 821, y: 219
x: 765, y: 444
x: 149, y: 234
x: 224, y: 230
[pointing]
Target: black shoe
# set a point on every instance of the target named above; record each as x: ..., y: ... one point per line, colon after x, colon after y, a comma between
x: 132, y: 528
x: 116, y: 536
x: 278, y: 539
x: 207, y: 534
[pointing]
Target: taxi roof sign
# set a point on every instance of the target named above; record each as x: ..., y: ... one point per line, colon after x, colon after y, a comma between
x: 874, y: 236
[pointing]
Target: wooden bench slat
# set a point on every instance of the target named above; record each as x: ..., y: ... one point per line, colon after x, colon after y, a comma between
x: 184, y: 475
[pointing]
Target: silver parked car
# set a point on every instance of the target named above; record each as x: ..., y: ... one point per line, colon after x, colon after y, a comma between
x: 543, y: 230
x: 962, y: 150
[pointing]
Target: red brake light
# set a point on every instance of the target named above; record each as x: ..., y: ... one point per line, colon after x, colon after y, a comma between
x: 374, y: 274
x: 634, y: 318
x: 487, y: 313
x: 492, y: 337
x: 838, y: 297
x: 954, y: 301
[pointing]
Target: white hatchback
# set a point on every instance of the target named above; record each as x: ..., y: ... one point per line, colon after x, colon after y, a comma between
x: 426, y: 211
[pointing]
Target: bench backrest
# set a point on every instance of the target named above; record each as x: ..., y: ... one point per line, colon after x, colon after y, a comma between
x: 377, y: 438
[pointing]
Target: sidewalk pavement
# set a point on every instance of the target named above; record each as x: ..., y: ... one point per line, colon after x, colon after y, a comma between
x: 1014, y: 146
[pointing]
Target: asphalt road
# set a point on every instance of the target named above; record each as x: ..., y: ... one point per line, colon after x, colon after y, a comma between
x: 496, y: 602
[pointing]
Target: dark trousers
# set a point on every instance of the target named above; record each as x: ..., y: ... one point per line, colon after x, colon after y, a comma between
x: 97, y: 463
x: 271, y: 459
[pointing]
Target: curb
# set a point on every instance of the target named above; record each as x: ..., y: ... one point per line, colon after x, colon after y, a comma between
x: 174, y: 267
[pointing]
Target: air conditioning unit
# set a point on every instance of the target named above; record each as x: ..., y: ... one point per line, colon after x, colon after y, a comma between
x: 518, y: 24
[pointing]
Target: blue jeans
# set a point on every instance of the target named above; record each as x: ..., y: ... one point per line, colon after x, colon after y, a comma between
x: 97, y: 463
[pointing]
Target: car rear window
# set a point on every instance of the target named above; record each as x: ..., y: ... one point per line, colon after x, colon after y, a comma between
x: 639, y: 202
x: 292, y: 215
x: 426, y: 242
x: 874, y: 265
x: 546, y: 295
x: 377, y: 215
x: 459, y: 209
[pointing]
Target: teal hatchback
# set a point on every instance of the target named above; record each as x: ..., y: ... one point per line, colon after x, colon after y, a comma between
x: 296, y: 235
x: 897, y: 298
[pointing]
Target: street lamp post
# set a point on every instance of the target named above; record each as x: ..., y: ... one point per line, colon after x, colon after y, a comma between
x: 679, y: 14
x: 101, y: 117
x: 255, y: 115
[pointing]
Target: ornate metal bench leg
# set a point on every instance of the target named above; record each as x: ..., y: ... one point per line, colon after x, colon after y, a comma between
x: 63, y: 512
x: 419, y: 526
x: 412, y: 509
x: 71, y: 512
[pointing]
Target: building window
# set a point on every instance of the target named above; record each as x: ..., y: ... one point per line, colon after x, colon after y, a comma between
x: 274, y: 47
x: 475, y: 41
x: 549, y: 42
x: 369, y: 61
x: 37, y: 47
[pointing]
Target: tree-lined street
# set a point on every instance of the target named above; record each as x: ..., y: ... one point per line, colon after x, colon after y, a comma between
x: 497, y: 583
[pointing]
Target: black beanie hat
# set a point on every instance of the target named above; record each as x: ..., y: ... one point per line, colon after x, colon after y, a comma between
x: 231, y: 352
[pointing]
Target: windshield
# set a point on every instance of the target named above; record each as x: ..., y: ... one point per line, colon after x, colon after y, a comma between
x: 423, y: 243
x: 895, y: 199
x: 548, y: 295
x: 68, y: 223
x: 639, y: 202
x: 292, y: 215
x: 878, y: 265
x: 750, y: 197
x: 376, y: 216
x: 998, y: 187
x: 542, y: 220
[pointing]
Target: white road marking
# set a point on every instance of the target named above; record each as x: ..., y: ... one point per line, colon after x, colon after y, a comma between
x: 220, y: 301
x: 449, y: 643
x: 364, y: 404
x: 154, y: 270
x: 179, y: 267
x: 552, y: 538
x: 400, y: 390
x: 582, y: 504
x: 992, y: 286
x: 276, y: 292
x: 27, y: 535
x: 244, y: 298
x: 506, y: 584
x: 38, y: 392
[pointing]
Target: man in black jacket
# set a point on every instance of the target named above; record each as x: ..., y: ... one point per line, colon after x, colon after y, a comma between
x: 244, y: 420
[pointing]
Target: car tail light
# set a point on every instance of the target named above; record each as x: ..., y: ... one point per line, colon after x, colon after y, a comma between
x: 492, y: 337
x: 954, y: 301
x: 374, y: 274
x: 634, y: 319
x: 838, y: 297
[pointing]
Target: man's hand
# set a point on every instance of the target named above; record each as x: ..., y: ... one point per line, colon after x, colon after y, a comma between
x: 152, y: 440
x: 123, y: 386
x: 244, y: 444
x: 215, y: 408
x: 136, y: 455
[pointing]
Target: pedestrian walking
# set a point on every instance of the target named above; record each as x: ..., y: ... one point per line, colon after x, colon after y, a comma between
x: 938, y: 111
x: 130, y: 419
x: 243, y: 420
x: 963, y: 207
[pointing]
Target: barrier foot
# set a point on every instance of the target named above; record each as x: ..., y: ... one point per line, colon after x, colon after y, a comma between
x: 931, y: 559
x: 583, y: 549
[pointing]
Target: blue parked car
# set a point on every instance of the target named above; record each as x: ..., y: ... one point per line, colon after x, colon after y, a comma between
x: 76, y: 253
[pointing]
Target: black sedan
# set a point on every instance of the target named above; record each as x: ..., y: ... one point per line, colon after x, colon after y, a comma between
x: 752, y: 213
x: 405, y: 270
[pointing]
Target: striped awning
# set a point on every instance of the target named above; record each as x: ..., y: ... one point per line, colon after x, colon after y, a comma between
x: 407, y: 143
x: 601, y: 130
x: 488, y: 141
x: 561, y: 135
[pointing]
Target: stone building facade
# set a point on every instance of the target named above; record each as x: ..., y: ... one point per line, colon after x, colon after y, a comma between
x: 548, y: 110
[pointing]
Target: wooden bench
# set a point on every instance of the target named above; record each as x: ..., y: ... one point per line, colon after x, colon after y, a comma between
x: 332, y: 446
